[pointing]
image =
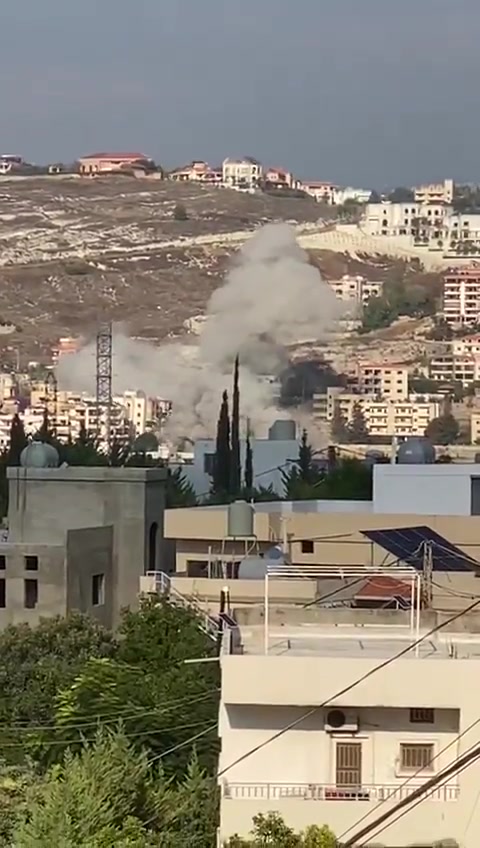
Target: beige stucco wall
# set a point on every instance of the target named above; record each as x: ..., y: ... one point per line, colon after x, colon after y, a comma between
x: 261, y: 695
x: 337, y: 536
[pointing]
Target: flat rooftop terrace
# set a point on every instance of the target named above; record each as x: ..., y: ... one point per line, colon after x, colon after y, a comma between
x: 367, y: 642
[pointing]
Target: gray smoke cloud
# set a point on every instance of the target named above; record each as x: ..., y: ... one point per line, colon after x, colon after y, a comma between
x: 271, y: 298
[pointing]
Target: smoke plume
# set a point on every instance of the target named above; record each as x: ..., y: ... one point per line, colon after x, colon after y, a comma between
x: 271, y: 298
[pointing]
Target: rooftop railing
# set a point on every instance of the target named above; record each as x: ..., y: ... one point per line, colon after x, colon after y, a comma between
x: 327, y: 792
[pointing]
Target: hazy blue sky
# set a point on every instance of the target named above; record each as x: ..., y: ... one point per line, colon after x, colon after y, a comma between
x: 370, y: 92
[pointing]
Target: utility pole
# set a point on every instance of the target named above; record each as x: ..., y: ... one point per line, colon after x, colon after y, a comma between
x: 104, y: 381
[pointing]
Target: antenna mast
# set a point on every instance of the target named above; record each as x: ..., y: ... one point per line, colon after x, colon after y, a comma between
x: 104, y: 381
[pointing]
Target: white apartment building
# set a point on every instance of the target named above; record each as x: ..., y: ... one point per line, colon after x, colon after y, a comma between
x: 435, y: 193
x: 355, y: 289
x: 425, y: 223
x: 322, y: 192
x: 388, y: 381
x: 241, y: 173
x: 383, y: 417
x: 464, y: 369
x: 348, y: 762
x: 462, y: 232
x: 461, y: 296
x: 360, y: 195
x: 468, y: 346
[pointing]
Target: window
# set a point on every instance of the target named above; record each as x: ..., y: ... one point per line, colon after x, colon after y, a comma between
x: 422, y: 716
x: 3, y: 562
x: 3, y: 594
x: 98, y: 590
x: 208, y: 463
x: 348, y: 765
x: 307, y: 546
x: 414, y: 757
x: 30, y: 593
x: 31, y: 563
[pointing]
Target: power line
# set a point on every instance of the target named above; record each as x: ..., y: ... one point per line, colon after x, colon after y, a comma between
x: 183, y: 744
x: 454, y: 768
x: 351, y: 686
x: 113, y: 716
x: 411, y: 777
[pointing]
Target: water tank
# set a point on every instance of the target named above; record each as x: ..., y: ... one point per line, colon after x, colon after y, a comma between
x: 240, y: 519
x: 283, y: 430
x: 252, y: 568
x: 416, y: 451
x: 39, y: 455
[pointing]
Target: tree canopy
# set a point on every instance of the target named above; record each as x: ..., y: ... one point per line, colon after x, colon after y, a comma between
x: 443, y: 430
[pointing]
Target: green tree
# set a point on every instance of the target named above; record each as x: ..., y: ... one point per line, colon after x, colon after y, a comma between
x: 357, y: 429
x: 18, y: 441
x: 339, y: 427
x: 235, y: 466
x: 248, y: 466
x: 443, y: 430
x: 180, y: 213
x: 222, y: 459
x: 401, y: 194
x: 45, y: 433
x: 271, y: 830
x: 180, y: 491
x: 302, y: 481
x: 36, y: 663
x: 145, y: 443
x: 351, y: 479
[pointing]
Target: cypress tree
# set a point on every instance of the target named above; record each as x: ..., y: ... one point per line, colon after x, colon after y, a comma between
x: 248, y: 464
x: 235, y: 466
x: 222, y: 461
x: 45, y: 433
x: 18, y: 441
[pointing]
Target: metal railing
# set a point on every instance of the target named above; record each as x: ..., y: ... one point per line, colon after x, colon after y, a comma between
x: 326, y: 792
x: 163, y: 586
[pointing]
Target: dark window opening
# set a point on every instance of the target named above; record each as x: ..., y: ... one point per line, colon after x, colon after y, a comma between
x: 31, y: 563
x: 3, y: 594
x: 348, y: 770
x: 422, y: 716
x: 308, y: 546
x: 3, y: 562
x: 30, y: 594
x: 98, y: 590
x: 152, y: 547
x: 208, y: 463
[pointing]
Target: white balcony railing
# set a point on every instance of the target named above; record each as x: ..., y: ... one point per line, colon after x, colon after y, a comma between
x: 324, y: 792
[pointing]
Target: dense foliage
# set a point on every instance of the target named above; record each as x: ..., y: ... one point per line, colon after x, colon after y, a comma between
x: 271, y: 830
x: 413, y: 295
x: 306, y: 479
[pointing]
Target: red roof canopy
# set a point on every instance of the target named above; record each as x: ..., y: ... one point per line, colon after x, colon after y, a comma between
x: 385, y: 588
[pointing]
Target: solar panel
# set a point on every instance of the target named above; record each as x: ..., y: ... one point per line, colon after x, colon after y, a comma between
x: 408, y: 545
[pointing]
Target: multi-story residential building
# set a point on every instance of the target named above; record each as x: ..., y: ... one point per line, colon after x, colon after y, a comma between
x: 475, y: 427
x: 466, y: 346
x: 322, y: 192
x: 383, y: 417
x: 421, y: 222
x: 347, y: 762
x: 462, y: 233
x: 435, y: 193
x: 461, y: 296
x: 463, y: 369
x: 359, y: 195
x: 243, y: 173
x: 197, y: 171
x: 280, y: 178
x: 106, y: 163
x: 356, y: 290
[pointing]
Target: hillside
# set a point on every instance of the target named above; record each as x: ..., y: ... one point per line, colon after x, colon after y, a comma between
x: 75, y: 251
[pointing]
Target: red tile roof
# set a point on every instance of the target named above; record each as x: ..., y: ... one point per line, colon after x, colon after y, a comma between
x: 385, y: 588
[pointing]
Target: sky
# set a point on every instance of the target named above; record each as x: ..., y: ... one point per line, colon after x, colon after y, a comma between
x: 373, y: 93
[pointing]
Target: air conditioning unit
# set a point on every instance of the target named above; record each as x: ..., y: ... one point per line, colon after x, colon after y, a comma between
x: 339, y: 721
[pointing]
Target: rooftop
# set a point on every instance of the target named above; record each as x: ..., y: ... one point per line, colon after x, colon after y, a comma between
x: 356, y: 642
x: 132, y: 156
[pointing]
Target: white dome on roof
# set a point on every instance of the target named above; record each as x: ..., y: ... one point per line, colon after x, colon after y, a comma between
x: 39, y: 455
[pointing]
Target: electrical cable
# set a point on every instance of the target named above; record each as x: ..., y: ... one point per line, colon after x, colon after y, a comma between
x: 119, y: 716
x: 183, y: 744
x: 455, y: 768
x: 411, y: 777
x: 82, y: 740
x: 349, y: 688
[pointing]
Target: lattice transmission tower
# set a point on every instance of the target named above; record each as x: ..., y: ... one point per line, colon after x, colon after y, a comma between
x: 104, y: 381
